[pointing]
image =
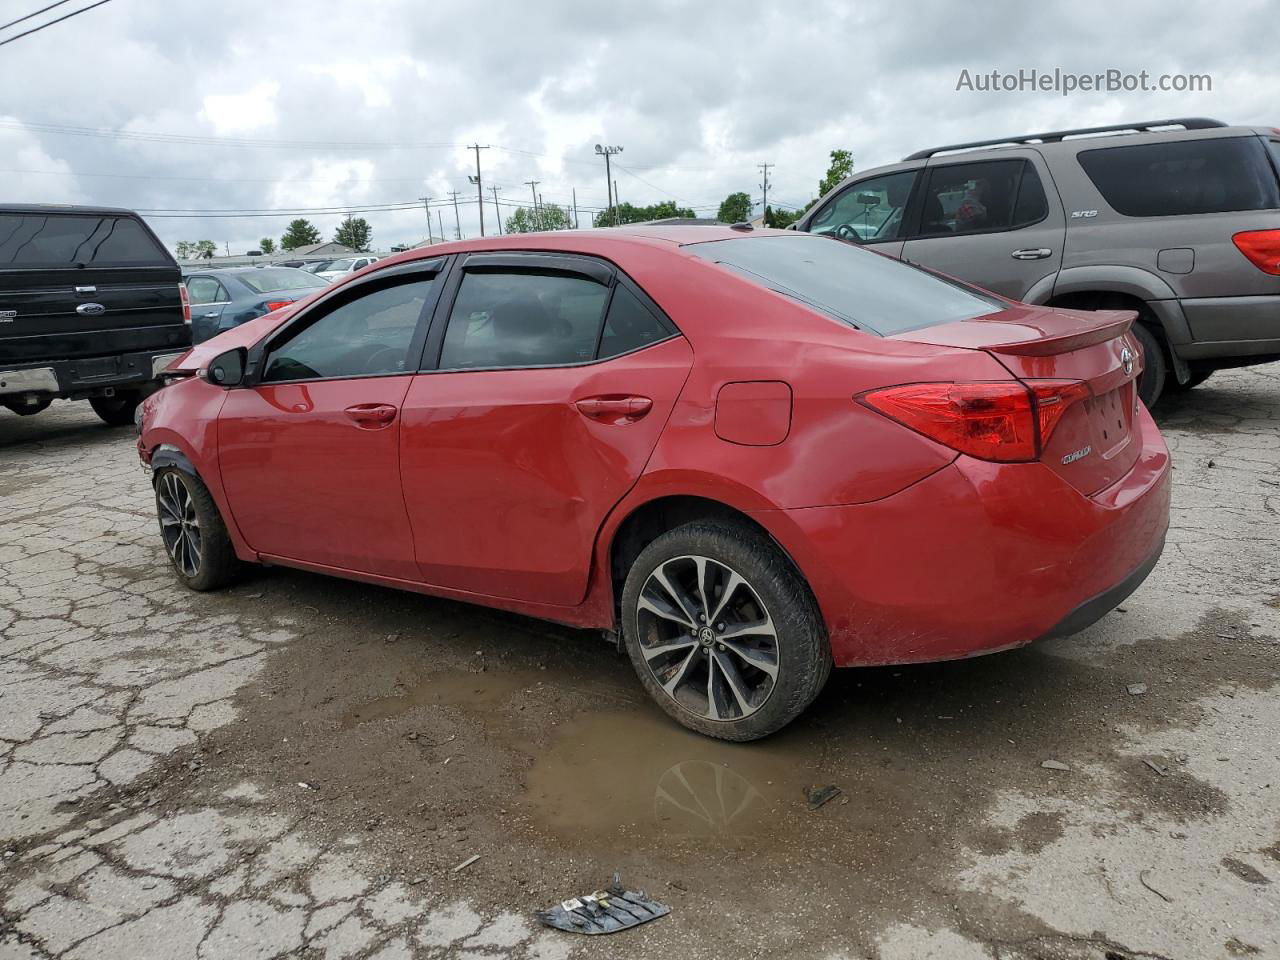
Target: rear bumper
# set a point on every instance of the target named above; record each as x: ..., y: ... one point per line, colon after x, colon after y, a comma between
x: 1232, y: 326
x: 85, y: 376
x: 978, y: 557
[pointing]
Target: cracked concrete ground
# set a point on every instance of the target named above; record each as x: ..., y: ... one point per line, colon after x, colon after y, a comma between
x: 297, y: 766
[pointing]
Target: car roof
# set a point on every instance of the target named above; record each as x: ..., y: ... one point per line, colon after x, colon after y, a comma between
x: 46, y: 208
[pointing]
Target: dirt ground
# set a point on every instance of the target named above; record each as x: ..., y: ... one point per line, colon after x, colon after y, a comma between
x: 299, y: 765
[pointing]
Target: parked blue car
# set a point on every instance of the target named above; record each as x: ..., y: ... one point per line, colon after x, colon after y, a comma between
x: 222, y: 299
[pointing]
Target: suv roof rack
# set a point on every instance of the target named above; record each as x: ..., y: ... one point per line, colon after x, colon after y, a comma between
x: 1053, y: 136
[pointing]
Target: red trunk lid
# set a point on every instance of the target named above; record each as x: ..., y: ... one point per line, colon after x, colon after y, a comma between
x: 1093, y: 444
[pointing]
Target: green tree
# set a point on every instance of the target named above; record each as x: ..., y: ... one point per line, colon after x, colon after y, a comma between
x: 627, y: 213
x: 735, y: 209
x: 547, y: 217
x: 185, y: 249
x: 301, y: 233
x: 355, y: 234
x: 780, y: 219
x: 195, y: 249
x: 267, y: 245
x: 841, y: 168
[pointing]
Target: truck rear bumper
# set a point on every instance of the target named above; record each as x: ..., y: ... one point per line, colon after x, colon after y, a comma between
x: 86, y: 376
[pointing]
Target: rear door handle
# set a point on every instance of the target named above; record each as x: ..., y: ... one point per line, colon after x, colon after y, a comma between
x: 614, y: 408
x: 371, y: 416
x: 1032, y: 253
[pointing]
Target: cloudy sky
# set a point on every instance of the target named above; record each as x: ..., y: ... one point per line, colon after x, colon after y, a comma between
x: 281, y: 105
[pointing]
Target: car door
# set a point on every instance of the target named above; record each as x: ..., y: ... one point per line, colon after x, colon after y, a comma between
x: 871, y: 212
x: 309, y: 449
x: 996, y: 223
x: 208, y: 299
x: 548, y: 382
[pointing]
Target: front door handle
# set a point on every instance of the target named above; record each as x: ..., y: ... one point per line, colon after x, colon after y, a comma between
x: 1032, y: 253
x: 371, y: 416
x: 614, y: 408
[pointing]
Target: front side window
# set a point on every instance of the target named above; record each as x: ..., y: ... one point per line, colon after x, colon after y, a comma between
x: 366, y: 336
x: 981, y: 197
x: 63, y: 240
x: 528, y: 318
x: 204, y: 290
x: 869, y: 211
x: 1178, y: 178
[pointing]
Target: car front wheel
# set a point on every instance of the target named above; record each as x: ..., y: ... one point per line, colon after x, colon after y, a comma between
x: 723, y: 632
x: 195, y: 538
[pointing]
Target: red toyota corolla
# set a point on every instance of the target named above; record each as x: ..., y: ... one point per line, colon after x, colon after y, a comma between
x: 752, y: 454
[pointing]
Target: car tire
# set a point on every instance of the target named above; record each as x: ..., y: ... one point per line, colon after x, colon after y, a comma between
x: 760, y: 655
x: 194, y: 535
x: 118, y: 410
x: 1154, y: 366
x: 1199, y: 374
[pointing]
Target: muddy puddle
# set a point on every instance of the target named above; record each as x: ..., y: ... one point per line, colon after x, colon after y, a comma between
x: 621, y: 767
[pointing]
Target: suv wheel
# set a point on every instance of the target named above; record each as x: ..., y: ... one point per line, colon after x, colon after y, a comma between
x: 723, y: 632
x: 195, y: 538
x: 1199, y: 374
x: 1154, y: 366
x: 117, y: 411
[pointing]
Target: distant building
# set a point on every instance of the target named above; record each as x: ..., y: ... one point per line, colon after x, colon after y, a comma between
x: 329, y: 249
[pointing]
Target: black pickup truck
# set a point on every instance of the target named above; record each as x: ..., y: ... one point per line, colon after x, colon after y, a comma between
x: 92, y: 307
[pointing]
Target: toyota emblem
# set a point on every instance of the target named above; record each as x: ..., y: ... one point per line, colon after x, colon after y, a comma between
x: 1126, y: 360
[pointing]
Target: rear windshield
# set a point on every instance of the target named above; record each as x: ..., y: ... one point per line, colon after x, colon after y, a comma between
x: 1184, y: 177
x: 862, y: 288
x: 61, y: 240
x: 273, y: 281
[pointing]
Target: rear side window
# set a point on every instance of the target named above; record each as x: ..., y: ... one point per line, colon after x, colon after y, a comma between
x: 982, y: 197
x: 531, y: 318
x: 366, y: 336
x: 273, y: 281
x: 862, y: 288
x: 629, y: 325
x: 63, y: 240
x: 1184, y: 177
x: 205, y: 290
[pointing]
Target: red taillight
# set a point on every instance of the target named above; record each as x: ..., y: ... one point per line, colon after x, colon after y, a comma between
x: 1006, y: 421
x: 277, y: 304
x: 1262, y: 247
x: 186, y: 303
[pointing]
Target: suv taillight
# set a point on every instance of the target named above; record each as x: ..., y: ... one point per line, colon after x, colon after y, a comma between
x: 1262, y: 247
x: 186, y: 303
x: 1008, y: 422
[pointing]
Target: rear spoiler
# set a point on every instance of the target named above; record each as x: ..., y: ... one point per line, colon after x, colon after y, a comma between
x: 1114, y: 323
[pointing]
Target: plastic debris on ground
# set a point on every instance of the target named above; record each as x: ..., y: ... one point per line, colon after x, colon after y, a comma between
x: 605, y: 911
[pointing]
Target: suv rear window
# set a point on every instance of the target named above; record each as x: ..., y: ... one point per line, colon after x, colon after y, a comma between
x: 61, y: 240
x: 1184, y: 177
x: 862, y: 288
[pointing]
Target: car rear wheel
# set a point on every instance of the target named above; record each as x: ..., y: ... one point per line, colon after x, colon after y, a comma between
x: 1154, y: 366
x: 723, y: 632
x: 117, y: 410
x: 195, y: 538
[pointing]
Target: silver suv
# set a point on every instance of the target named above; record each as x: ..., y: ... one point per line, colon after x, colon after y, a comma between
x: 1177, y: 219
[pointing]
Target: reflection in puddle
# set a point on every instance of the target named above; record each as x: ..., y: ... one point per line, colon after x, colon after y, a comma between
x: 614, y: 770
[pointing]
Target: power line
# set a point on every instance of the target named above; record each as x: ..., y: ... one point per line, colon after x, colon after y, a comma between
x: 68, y: 16
x: 36, y: 13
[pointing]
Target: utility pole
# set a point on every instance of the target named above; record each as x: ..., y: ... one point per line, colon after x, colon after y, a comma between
x: 457, y: 220
x: 479, y: 186
x: 617, y: 202
x: 533, y: 188
x: 496, y: 209
x: 426, y: 205
x: 575, y: 208
x: 608, y: 152
x: 764, y: 185
x: 440, y: 223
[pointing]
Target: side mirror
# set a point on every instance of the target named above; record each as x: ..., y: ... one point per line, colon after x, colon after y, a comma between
x: 227, y: 369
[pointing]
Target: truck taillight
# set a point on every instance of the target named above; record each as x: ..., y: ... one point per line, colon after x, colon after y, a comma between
x: 1008, y: 422
x: 1262, y: 247
x: 186, y: 303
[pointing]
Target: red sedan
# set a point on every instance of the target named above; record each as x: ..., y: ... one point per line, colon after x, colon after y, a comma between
x: 753, y: 454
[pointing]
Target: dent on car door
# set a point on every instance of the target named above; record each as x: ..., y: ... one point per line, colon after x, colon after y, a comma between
x: 996, y: 223
x: 309, y: 453
x: 549, y: 394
